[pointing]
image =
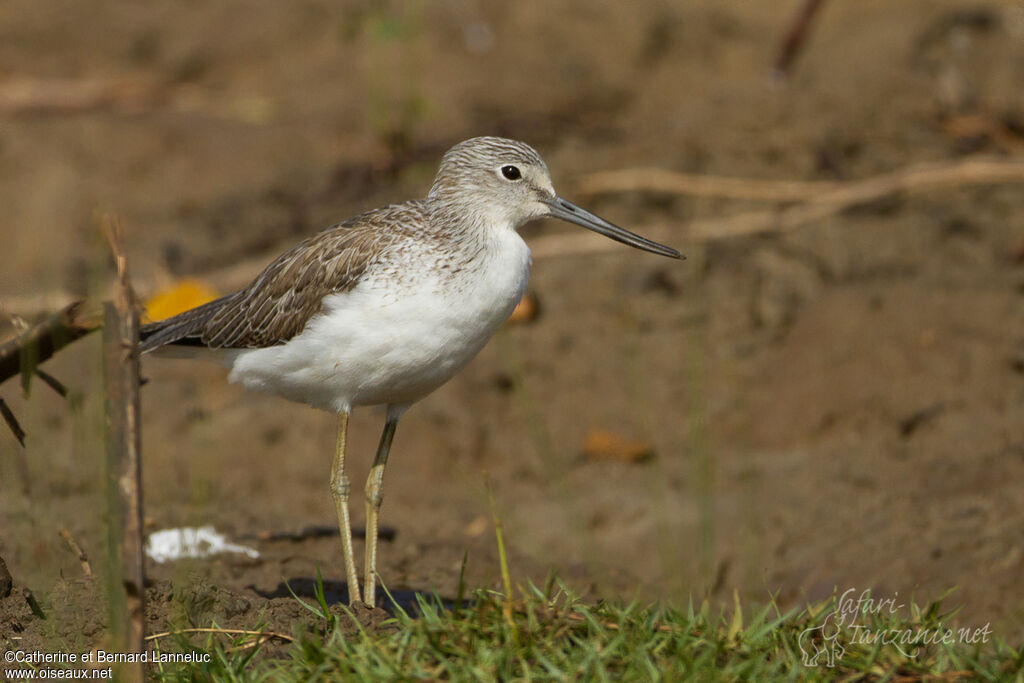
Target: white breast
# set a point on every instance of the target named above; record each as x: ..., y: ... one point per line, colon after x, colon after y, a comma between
x: 399, y: 334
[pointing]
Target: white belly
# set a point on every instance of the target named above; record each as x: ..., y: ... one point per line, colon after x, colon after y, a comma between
x: 392, y: 340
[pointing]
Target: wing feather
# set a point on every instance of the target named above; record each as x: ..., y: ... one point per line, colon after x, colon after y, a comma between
x: 280, y: 301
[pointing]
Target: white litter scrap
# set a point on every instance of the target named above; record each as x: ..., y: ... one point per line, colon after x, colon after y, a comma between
x: 175, y: 544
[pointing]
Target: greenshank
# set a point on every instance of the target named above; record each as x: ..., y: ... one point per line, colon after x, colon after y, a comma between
x: 384, y: 308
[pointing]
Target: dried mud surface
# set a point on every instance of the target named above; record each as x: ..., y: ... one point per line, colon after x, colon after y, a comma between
x: 837, y: 406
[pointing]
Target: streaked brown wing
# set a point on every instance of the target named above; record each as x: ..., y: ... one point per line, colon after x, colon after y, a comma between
x: 278, y: 304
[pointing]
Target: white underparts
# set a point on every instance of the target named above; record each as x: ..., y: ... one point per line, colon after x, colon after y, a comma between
x: 402, y: 332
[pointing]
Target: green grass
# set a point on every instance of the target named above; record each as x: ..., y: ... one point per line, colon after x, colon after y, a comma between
x: 552, y: 635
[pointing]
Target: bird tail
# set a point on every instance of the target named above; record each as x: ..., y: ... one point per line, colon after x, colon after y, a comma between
x: 185, y: 328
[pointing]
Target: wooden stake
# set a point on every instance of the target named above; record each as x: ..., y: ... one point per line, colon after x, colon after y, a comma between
x: 121, y: 374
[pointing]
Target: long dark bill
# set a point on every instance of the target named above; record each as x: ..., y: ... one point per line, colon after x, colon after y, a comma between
x: 568, y: 211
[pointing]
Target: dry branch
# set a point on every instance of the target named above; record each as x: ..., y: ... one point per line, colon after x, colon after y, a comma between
x: 663, y: 181
x: 807, y: 201
x: 38, y: 343
x: 910, y: 179
x: 813, y: 200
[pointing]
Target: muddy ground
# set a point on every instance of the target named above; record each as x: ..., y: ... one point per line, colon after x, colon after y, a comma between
x: 837, y: 406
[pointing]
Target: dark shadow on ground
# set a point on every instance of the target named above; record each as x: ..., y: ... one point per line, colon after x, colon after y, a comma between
x: 336, y: 592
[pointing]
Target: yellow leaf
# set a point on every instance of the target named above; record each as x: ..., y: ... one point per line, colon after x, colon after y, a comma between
x: 179, y: 297
x: 525, y: 311
x: 601, y: 444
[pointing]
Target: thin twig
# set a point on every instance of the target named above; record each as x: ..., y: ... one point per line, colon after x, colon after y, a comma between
x: 256, y: 642
x: 913, y: 178
x: 816, y: 199
x: 77, y: 550
x: 12, y: 422
x: 113, y: 233
x: 664, y: 181
x: 796, y: 35
x: 21, y: 458
x: 52, y: 382
x: 225, y: 631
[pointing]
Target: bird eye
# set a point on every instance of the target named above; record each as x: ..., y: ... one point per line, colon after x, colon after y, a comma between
x: 511, y: 172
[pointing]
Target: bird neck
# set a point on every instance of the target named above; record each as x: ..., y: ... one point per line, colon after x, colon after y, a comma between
x: 468, y: 220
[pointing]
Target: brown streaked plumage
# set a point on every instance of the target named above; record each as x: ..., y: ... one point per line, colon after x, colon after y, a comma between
x: 278, y: 304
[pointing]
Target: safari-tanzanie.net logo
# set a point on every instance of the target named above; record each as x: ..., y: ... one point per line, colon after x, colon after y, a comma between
x: 854, y: 622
